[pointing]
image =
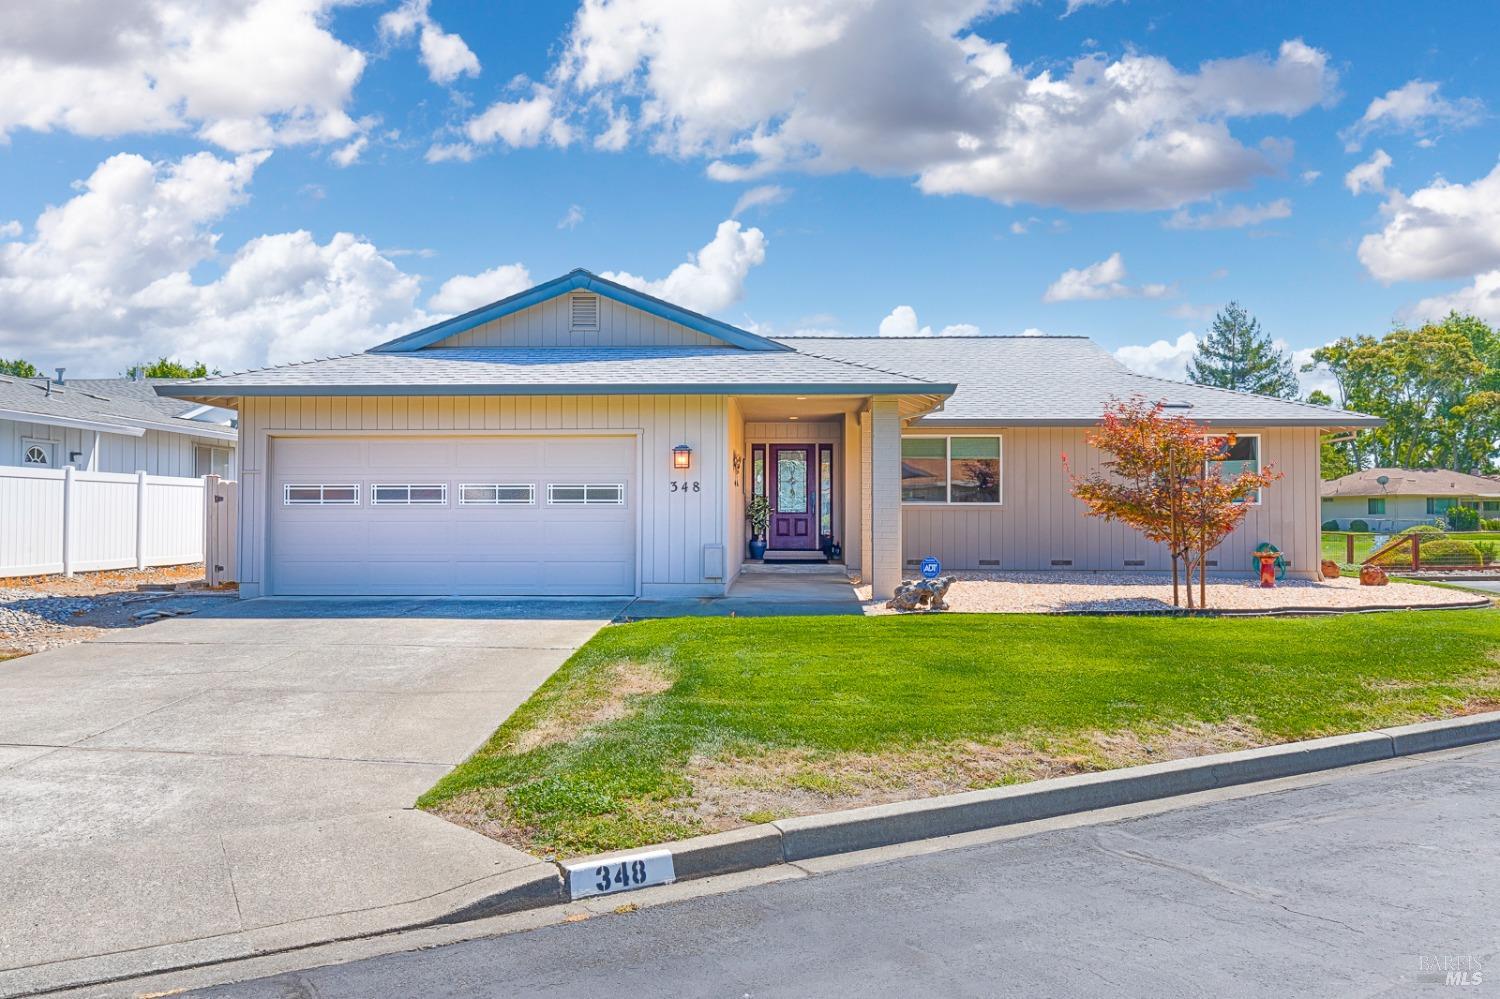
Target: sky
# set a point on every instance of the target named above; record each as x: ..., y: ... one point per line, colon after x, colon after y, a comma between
x: 252, y: 182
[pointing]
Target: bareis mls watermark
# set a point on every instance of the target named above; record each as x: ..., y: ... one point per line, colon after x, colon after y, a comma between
x: 1450, y: 969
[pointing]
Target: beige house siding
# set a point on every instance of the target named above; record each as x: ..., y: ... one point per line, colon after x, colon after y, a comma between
x: 675, y: 527
x: 1039, y: 523
x: 547, y: 324
x: 738, y: 531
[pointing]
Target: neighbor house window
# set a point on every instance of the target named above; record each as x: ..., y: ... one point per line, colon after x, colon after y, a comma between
x: 320, y: 495
x: 586, y: 494
x: 1375, y: 507
x: 42, y: 454
x: 1492, y: 506
x: 1437, y: 507
x: 960, y: 469
x: 471, y: 494
x: 211, y: 461
x: 434, y: 494
x: 1241, y: 456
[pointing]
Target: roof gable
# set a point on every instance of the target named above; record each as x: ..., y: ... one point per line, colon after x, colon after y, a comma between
x: 579, y: 280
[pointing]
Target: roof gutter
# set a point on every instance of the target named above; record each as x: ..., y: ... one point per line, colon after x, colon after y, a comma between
x: 74, y: 423
x: 986, y: 421
x: 201, y: 392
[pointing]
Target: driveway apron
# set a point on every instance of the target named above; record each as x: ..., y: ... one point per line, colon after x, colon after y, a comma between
x: 252, y: 766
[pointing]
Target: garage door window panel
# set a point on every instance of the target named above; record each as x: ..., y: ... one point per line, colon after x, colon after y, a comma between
x: 425, y: 494
x: 496, y: 494
x: 586, y: 494
x: 311, y: 494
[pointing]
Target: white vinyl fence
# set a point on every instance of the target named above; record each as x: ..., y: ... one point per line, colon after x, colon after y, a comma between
x: 64, y: 520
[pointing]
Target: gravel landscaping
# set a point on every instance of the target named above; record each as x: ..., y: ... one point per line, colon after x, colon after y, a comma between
x: 1055, y: 592
x: 43, y: 612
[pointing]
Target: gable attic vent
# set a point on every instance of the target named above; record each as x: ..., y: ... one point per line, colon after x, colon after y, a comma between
x: 585, y: 313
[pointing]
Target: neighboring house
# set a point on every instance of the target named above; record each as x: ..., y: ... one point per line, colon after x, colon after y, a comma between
x: 112, y: 425
x: 1396, y: 498
x: 585, y: 438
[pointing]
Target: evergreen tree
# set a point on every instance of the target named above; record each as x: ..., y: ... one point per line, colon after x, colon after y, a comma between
x: 1237, y: 355
x: 17, y: 368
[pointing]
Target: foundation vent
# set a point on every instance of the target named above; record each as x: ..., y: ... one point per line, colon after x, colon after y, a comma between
x: 1062, y: 561
x: 1135, y: 562
x: 1212, y: 562
x: 914, y: 561
x: 989, y: 561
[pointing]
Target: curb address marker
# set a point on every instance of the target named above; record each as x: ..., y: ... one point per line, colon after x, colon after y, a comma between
x: 621, y: 873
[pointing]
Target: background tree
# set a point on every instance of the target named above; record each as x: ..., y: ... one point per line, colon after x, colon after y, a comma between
x: 1437, y: 388
x: 164, y: 368
x: 1162, y: 478
x: 1335, y: 460
x: 1235, y: 354
x: 17, y: 368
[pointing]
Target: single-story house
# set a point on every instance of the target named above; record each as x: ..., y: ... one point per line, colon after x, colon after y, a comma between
x: 586, y: 438
x: 1396, y: 498
x: 112, y: 425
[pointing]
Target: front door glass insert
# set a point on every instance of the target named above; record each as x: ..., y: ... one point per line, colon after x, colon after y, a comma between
x: 791, y: 481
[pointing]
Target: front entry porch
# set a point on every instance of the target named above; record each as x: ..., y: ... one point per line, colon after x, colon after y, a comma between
x: 765, y: 591
x: 828, y: 468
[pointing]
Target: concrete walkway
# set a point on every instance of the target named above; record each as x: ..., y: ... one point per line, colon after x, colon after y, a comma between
x: 246, y: 774
x: 765, y: 592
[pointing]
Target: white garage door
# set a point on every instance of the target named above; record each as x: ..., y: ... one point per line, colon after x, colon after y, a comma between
x: 552, y: 516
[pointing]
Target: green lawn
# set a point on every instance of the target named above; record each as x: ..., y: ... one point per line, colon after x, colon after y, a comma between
x: 662, y: 729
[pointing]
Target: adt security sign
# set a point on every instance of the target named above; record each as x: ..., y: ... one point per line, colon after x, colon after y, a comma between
x: 931, y: 567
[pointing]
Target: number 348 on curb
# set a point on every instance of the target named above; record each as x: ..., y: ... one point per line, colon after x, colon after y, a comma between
x: 617, y: 874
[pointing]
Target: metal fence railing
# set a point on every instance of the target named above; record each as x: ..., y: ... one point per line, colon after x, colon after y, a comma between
x: 1416, y: 551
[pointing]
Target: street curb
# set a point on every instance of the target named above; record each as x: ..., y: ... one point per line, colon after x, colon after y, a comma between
x: 809, y: 836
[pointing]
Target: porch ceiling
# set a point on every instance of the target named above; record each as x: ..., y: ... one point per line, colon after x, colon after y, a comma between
x: 765, y: 409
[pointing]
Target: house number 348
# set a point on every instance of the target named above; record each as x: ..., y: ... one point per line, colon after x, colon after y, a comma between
x: 684, y: 487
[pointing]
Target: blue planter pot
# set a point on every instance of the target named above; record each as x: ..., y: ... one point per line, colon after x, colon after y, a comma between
x: 757, y: 548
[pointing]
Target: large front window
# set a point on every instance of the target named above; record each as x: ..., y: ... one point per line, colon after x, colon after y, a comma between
x: 1241, y: 456
x: 950, y: 469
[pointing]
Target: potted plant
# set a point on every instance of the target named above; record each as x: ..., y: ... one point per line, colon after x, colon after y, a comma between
x: 758, y: 513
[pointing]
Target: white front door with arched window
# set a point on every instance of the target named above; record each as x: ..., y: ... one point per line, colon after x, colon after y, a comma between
x: 40, y: 454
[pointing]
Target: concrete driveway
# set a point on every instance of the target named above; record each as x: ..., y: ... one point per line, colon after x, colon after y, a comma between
x: 246, y: 773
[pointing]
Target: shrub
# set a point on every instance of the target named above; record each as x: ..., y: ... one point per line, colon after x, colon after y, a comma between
x: 1426, y: 530
x: 1442, y: 551
x: 1490, y: 525
x: 1463, y: 518
x: 1488, y: 551
x: 1330, y: 525
x: 1359, y: 526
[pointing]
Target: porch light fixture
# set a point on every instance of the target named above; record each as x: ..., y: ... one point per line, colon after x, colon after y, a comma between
x: 682, y: 457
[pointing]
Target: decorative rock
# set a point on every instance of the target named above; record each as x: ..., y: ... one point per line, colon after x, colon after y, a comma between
x: 1330, y: 569
x: 921, y: 594
x: 1372, y: 575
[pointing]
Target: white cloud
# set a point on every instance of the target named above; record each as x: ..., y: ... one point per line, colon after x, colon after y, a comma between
x: 445, y: 55
x: 571, y: 219
x: 759, y: 197
x: 349, y: 155
x: 1415, y: 108
x: 1101, y: 280
x: 97, y: 302
x: 522, y: 123
x: 1369, y: 175
x: 1033, y: 331
x: 11, y: 229
x: 1317, y: 380
x: 1233, y: 217
x: 1441, y: 231
x: 1480, y: 298
x: 903, y: 322
x: 1160, y: 358
x: 444, y: 152
x: 713, y: 278
x: 898, y: 89
x: 1074, y: 6
x: 1308, y: 176
x: 616, y: 135
x: 470, y: 291
x: 111, y: 67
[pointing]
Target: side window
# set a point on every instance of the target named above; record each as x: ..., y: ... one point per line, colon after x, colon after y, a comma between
x: 586, y: 494
x: 297, y: 494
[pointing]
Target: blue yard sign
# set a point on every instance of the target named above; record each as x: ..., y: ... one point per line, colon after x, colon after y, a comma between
x: 931, y: 567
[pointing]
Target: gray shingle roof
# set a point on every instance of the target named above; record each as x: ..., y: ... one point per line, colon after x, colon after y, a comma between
x: 110, y: 402
x: 1411, y: 482
x: 565, y: 370
x: 1053, y: 380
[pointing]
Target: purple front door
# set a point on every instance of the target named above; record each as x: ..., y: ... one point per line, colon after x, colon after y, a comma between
x: 793, y: 518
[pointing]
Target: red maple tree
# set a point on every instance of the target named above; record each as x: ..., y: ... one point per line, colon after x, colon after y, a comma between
x: 1162, y: 477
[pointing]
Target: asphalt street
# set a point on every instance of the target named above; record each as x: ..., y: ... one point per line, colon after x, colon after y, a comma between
x: 1370, y: 884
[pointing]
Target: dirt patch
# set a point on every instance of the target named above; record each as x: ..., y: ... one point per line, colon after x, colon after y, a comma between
x: 105, y: 581
x: 618, y: 696
x: 758, y: 787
